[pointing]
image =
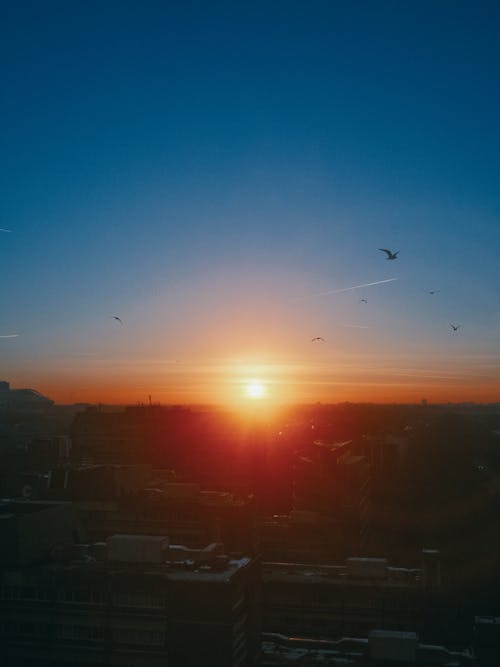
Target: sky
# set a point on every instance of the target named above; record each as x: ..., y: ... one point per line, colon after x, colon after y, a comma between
x: 221, y: 176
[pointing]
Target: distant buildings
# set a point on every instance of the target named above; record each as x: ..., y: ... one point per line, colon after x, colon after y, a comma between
x: 97, y: 482
x: 129, y: 499
x: 100, y: 435
x: 207, y: 446
x: 26, y: 400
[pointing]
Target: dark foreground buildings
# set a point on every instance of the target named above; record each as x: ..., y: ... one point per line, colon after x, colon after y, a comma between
x: 133, y: 601
x: 113, y: 559
x: 142, y: 601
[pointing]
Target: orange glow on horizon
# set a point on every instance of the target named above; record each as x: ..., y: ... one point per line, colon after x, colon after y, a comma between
x: 267, y: 379
x: 194, y: 389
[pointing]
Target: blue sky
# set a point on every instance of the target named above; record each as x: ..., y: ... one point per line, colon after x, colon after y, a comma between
x: 205, y: 169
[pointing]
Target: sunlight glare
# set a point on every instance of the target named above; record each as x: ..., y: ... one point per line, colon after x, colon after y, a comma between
x: 255, y: 389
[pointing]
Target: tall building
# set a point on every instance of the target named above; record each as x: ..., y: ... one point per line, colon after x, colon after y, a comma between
x: 301, y: 536
x: 335, y: 482
x: 487, y: 640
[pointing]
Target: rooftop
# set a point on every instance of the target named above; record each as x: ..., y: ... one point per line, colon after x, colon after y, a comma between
x: 146, y: 555
x: 361, y: 571
x: 383, y: 647
x: 333, y: 446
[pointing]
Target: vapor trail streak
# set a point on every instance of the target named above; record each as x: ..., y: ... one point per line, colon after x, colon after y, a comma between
x: 10, y: 336
x: 8, y: 231
x: 347, y: 289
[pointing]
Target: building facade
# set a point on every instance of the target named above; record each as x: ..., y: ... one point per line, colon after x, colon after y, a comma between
x: 350, y: 600
x: 134, y: 601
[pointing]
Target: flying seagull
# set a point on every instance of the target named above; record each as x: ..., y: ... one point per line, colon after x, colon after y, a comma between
x: 390, y: 254
x: 115, y: 317
x: 317, y: 338
x: 433, y: 291
x: 363, y: 301
x: 455, y: 327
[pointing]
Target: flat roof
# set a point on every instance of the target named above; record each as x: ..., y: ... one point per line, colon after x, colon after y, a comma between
x: 339, y: 575
x: 217, y: 570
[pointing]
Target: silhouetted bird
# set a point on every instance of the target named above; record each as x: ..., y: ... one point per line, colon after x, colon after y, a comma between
x: 434, y: 291
x: 455, y: 327
x: 363, y: 301
x: 390, y: 254
x: 115, y: 317
x: 318, y: 338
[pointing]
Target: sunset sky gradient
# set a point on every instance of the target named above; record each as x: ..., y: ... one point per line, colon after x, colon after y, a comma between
x: 217, y: 174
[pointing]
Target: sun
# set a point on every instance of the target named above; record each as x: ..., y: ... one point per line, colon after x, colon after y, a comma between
x: 255, y: 389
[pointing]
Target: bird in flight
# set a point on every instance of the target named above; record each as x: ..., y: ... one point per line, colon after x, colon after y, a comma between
x: 7, y: 231
x: 389, y: 253
x: 115, y: 317
x: 363, y: 301
x: 455, y: 327
x: 433, y: 291
x: 317, y: 338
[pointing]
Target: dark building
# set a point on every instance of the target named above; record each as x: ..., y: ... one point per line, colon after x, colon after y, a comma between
x: 132, y: 499
x: 23, y: 400
x: 97, y: 482
x: 301, y: 536
x: 350, y: 600
x: 381, y: 648
x: 44, y: 452
x: 212, y: 447
x: 333, y: 481
x: 108, y: 435
x: 136, y: 601
x: 33, y: 531
x: 487, y: 640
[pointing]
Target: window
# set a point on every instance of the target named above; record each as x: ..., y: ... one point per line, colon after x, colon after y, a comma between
x: 10, y: 592
x: 23, y: 629
x: 144, y: 600
x: 81, y: 596
x: 90, y: 633
x: 139, y: 637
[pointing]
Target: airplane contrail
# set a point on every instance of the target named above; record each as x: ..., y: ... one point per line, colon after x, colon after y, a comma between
x: 9, y: 336
x: 347, y: 289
